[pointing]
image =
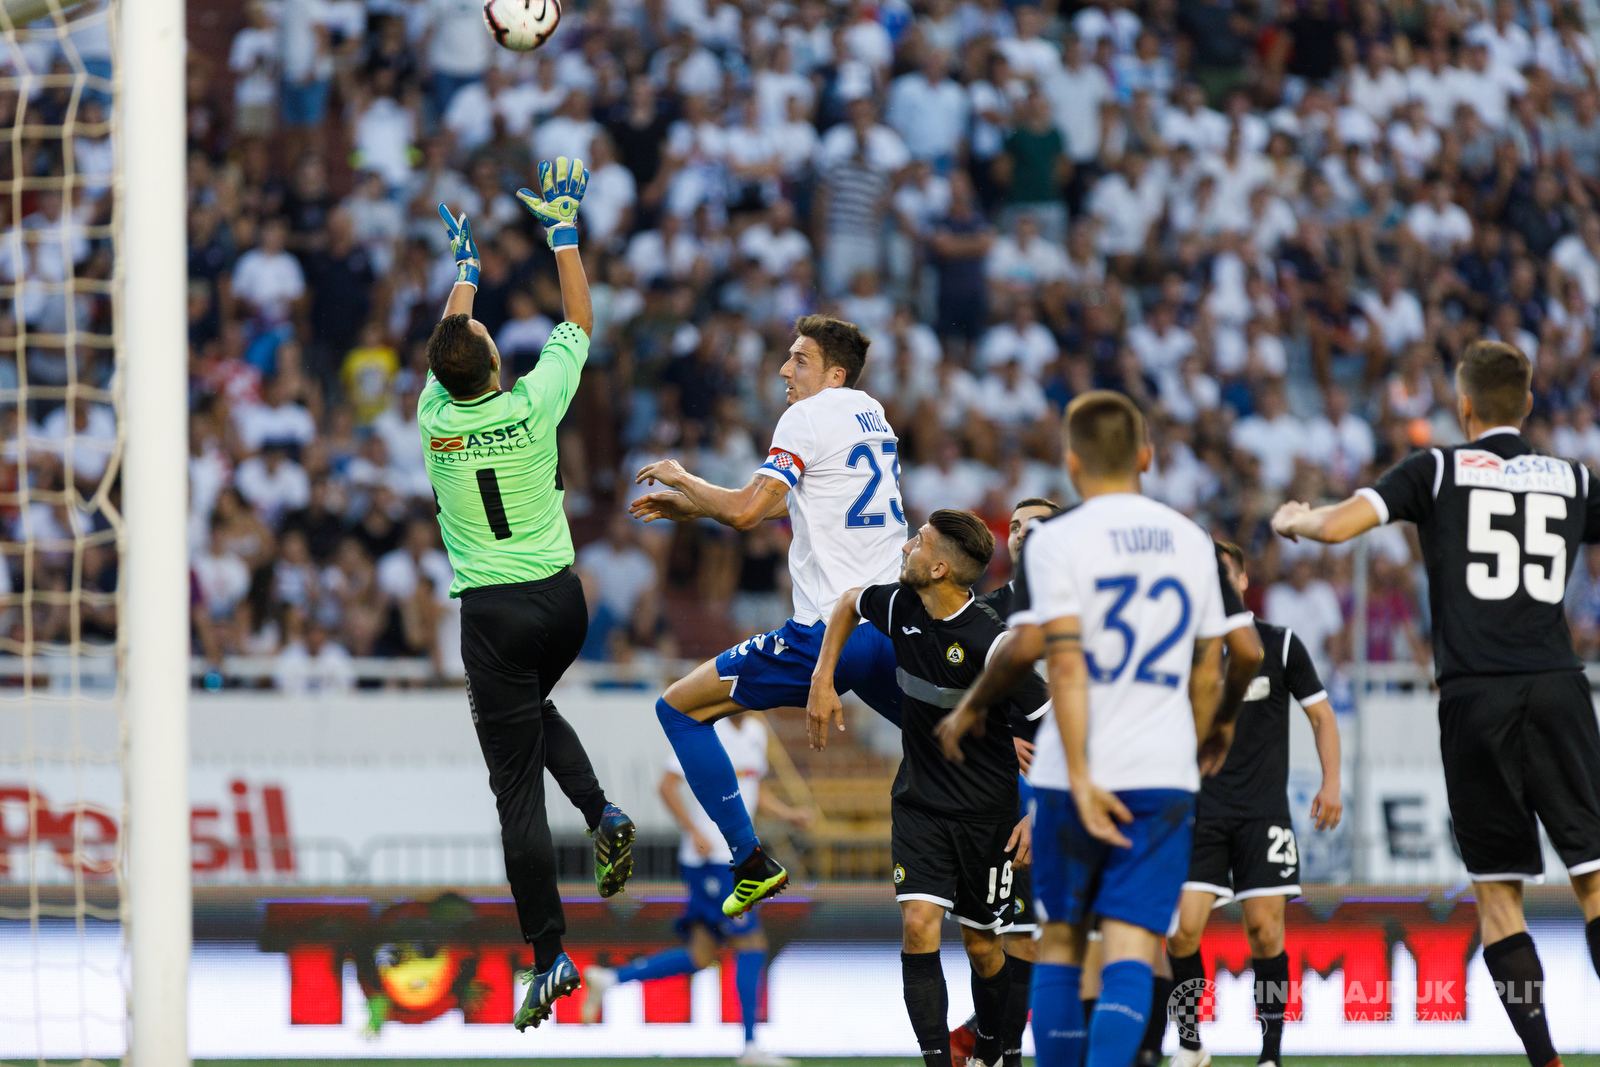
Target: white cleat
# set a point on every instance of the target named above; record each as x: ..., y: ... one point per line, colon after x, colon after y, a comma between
x: 757, y: 1057
x: 596, y: 980
x: 1186, y: 1057
x: 973, y: 1061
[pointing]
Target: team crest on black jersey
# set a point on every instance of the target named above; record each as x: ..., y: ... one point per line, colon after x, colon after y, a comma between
x: 899, y: 874
x: 955, y: 654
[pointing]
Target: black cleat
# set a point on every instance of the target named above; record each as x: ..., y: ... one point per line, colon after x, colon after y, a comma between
x: 543, y: 992
x: 757, y: 878
x: 613, y: 851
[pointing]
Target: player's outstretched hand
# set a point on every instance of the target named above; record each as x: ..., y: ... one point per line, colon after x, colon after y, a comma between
x: 669, y: 472
x: 462, y: 246
x: 1326, y: 808
x: 964, y: 720
x: 1100, y: 811
x: 671, y: 505
x: 562, y: 185
x: 1213, y: 751
x: 1024, y: 754
x: 1284, y: 519
x: 822, y: 709
x: 1021, y: 843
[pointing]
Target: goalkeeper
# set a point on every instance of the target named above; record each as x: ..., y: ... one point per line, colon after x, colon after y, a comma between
x: 491, y: 456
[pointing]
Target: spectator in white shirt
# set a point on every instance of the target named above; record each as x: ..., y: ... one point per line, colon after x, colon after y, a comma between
x: 93, y: 437
x: 1339, y: 441
x: 1193, y: 124
x: 311, y: 662
x: 1395, y: 311
x: 1010, y: 399
x: 1159, y: 342
x: 1029, y: 54
x: 1377, y: 88
x: 1577, y: 255
x: 1025, y: 262
x: 1578, y: 437
x: 1022, y: 337
x: 885, y: 150
x: 774, y: 242
x: 622, y: 587
x: 280, y: 421
x: 222, y: 577
x: 253, y: 60
x: 609, y: 201
x: 1414, y: 142
x: 273, y: 484
x: 569, y: 132
x: 1507, y: 43
x: 420, y: 554
x: 1487, y: 88
x: 457, y: 47
x: 929, y: 110
x: 778, y: 84
x: 1309, y: 606
x: 948, y: 482
x: 1275, y: 437
x: 267, y: 278
x: 667, y: 252
x: 1435, y: 83
x: 1076, y: 90
x: 1437, y: 224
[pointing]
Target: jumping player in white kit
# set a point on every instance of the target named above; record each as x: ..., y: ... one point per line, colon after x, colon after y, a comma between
x: 834, y: 470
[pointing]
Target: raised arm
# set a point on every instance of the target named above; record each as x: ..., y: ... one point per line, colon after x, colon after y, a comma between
x: 822, y: 704
x: 562, y: 185
x: 467, y: 265
x: 761, y: 498
x: 1331, y: 524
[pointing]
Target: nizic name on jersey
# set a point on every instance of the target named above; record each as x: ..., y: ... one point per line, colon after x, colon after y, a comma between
x: 501, y: 441
x: 1519, y: 474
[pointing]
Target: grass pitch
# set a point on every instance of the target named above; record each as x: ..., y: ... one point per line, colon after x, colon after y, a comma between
x: 668, y: 1061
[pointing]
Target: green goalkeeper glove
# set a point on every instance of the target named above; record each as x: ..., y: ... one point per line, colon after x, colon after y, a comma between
x: 464, y: 247
x: 563, y: 187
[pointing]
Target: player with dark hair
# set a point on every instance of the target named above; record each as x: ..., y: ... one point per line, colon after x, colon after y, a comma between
x: 957, y: 839
x: 834, y: 470
x: 1244, y: 843
x: 1500, y: 525
x: 1122, y: 596
x: 491, y: 456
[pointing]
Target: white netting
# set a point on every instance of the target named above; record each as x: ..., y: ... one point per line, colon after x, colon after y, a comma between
x: 62, y: 994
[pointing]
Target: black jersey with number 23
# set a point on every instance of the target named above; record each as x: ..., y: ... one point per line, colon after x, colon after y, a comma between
x: 1500, y: 525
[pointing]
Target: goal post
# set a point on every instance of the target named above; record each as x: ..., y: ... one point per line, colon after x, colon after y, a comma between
x: 151, y: 269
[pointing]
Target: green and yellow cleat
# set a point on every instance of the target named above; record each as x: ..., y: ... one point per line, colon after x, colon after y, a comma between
x: 756, y: 879
x: 613, y: 851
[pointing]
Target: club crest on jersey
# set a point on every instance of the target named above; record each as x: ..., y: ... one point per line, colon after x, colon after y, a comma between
x: 899, y: 874
x: 783, y: 461
x: 1480, y: 469
x: 1260, y: 688
x: 955, y: 654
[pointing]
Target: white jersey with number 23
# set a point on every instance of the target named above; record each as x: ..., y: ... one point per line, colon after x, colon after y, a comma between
x: 1142, y: 580
x: 839, y: 458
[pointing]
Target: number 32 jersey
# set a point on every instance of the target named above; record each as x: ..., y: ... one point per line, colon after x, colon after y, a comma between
x: 1500, y: 526
x: 839, y: 458
x: 1142, y: 581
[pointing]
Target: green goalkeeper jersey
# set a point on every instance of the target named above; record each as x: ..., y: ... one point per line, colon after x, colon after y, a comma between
x: 493, y: 465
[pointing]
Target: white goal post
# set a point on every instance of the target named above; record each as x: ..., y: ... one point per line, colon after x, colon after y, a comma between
x: 151, y: 266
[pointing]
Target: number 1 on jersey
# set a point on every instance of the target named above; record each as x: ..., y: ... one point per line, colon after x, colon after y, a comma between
x: 494, y: 508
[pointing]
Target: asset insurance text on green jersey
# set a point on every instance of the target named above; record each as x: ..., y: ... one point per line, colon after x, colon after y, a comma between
x: 493, y: 464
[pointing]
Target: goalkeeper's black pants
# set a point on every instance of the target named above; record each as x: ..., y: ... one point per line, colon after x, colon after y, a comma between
x: 517, y: 641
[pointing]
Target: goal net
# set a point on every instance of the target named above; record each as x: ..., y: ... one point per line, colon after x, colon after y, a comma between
x: 63, y: 976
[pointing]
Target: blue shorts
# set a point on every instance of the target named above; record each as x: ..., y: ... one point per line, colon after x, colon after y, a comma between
x: 773, y: 670
x: 709, y: 884
x: 1075, y: 875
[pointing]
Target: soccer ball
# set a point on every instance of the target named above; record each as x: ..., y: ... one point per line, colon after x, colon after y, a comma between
x: 521, y: 25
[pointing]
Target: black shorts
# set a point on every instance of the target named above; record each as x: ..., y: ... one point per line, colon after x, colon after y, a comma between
x: 1517, y: 746
x: 1238, y: 858
x: 961, y: 866
x: 1019, y: 918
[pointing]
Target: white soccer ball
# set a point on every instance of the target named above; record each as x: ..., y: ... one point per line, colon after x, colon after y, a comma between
x: 521, y: 25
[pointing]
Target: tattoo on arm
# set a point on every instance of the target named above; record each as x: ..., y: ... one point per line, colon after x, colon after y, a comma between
x: 1069, y: 640
x: 1201, y: 647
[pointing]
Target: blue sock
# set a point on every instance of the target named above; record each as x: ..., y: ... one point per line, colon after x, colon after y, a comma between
x: 1058, y: 1031
x: 710, y: 775
x: 663, y: 964
x: 1119, y: 1019
x: 747, y: 977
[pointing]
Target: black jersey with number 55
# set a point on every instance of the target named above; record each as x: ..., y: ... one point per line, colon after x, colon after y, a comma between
x: 1500, y: 525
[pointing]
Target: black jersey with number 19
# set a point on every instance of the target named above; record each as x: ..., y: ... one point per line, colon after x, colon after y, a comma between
x: 1500, y: 525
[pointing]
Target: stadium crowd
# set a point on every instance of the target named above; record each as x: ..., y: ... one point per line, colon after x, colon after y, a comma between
x: 1274, y: 225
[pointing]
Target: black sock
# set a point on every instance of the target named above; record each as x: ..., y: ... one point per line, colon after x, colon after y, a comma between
x: 1188, y: 980
x: 1156, y: 1028
x: 1088, y: 1010
x: 1591, y: 930
x: 1519, y: 981
x: 928, y: 1004
x: 989, y: 1007
x: 1272, y: 1000
x: 545, y: 952
x: 1016, y: 1010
